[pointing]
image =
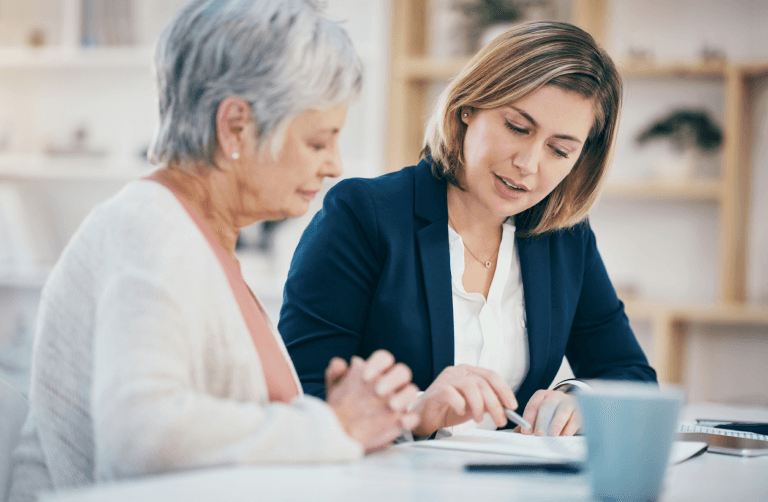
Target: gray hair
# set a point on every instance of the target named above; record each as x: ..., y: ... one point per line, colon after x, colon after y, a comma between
x: 283, y: 57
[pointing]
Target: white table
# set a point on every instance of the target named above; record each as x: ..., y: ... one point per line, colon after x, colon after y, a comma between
x: 421, y: 474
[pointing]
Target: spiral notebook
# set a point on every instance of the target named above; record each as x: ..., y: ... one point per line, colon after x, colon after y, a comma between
x: 729, y: 442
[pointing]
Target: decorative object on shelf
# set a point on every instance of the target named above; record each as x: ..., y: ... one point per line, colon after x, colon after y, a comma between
x: 248, y: 237
x: 640, y: 49
x: 37, y: 38
x: 88, y: 37
x: 107, y: 22
x: 491, y: 18
x: 78, y: 145
x: 448, y: 34
x: 711, y: 51
x: 690, y: 133
x: 629, y: 290
x: 266, y: 243
x: 5, y: 137
x: 259, y: 237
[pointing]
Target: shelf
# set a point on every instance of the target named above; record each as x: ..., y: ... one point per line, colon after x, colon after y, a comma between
x: 754, y: 69
x: 430, y: 68
x: 426, y: 68
x: 84, y: 168
x: 716, y: 313
x: 716, y: 69
x: 703, y: 190
x: 258, y: 271
x: 725, y: 314
x: 129, y: 57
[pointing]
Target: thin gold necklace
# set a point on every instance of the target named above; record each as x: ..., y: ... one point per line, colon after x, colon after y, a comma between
x: 487, y: 262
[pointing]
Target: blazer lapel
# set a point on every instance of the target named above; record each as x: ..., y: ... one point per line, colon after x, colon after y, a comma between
x: 537, y: 290
x: 431, y: 206
x: 435, y: 264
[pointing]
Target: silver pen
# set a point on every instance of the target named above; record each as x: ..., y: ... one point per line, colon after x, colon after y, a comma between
x: 517, y: 418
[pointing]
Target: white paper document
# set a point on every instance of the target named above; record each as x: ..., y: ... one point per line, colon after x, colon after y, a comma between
x: 565, y: 448
x: 511, y: 443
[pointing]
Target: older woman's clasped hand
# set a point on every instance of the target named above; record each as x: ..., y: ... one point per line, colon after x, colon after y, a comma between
x: 372, y: 398
x: 552, y: 413
x: 461, y: 393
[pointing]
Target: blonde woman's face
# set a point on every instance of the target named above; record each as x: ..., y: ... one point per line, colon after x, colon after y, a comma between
x: 515, y: 155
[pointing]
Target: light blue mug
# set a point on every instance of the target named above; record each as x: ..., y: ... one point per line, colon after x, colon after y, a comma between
x: 629, y: 429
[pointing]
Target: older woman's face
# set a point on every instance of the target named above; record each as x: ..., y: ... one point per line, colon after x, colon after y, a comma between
x: 284, y: 186
x: 516, y: 155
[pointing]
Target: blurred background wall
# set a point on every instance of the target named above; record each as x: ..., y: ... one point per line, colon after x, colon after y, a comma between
x: 680, y: 227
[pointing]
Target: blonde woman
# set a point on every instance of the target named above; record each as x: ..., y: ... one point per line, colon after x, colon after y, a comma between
x: 151, y: 353
x: 477, y: 267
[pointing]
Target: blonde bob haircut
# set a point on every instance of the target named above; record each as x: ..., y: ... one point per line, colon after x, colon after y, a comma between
x: 513, y: 65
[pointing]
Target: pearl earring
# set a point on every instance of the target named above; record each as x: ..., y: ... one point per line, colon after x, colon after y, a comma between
x: 466, y: 114
x: 235, y: 155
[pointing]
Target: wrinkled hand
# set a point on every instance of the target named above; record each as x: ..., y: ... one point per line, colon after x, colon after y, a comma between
x: 371, y: 398
x: 552, y: 413
x: 460, y: 393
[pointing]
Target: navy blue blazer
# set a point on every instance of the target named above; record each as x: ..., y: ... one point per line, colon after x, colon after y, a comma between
x: 372, y: 272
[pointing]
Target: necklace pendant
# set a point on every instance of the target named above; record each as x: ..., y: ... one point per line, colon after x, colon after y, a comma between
x: 488, y: 264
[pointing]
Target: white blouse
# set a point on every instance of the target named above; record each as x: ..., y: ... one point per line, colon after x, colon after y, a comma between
x: 490, y: 333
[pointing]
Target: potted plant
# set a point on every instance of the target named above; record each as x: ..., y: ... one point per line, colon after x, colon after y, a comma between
x: 490, y: 18
x: 688, y: 134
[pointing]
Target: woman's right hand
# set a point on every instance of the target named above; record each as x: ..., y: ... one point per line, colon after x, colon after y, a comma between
x: 461, y: 393
x: 371, y: 398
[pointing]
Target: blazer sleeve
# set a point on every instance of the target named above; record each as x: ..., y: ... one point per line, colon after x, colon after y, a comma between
x: 330, y: 286
x: 601, y: 343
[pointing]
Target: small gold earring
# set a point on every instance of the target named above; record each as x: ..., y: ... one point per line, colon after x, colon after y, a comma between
x: 235, y: 155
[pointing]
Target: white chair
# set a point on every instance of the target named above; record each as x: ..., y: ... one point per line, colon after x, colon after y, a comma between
x: 13, y: 412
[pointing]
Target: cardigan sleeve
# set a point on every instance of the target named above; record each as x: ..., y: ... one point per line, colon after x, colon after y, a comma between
x: 153, y: 412
x: 602, y: 344
x: 331, y: 283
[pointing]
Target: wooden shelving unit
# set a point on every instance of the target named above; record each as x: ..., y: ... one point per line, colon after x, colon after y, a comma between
x: 694, y: 190
x: 107, y: 77
x: 412, y: 71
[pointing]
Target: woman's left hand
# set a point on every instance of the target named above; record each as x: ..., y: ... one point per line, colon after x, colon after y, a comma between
x: 552, y: 413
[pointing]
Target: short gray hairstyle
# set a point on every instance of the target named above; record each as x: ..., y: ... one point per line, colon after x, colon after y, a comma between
x: 283, y: 57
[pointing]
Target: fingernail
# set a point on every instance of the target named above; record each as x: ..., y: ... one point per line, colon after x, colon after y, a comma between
x: 368, y: 376
x: 395, y: 404
x: 381, y: 389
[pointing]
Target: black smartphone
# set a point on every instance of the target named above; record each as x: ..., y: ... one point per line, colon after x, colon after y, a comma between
x: 547, y: 467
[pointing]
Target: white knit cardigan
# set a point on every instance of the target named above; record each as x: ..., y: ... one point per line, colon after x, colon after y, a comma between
x: 142, y: 362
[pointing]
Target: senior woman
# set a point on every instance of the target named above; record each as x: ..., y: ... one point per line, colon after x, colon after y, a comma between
x: 152, y: 354
x: 477, y: 267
